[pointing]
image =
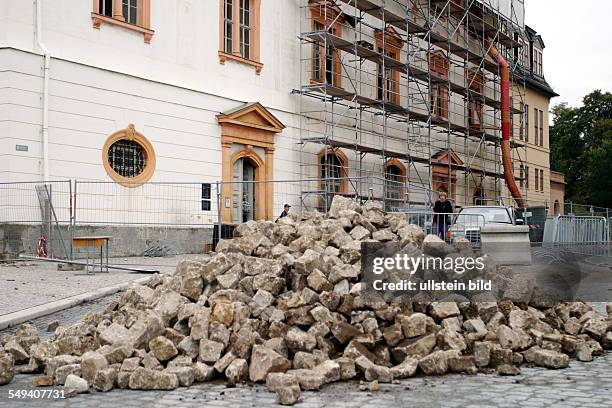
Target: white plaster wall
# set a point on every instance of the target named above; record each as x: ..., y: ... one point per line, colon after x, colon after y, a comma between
x: 171, y: 89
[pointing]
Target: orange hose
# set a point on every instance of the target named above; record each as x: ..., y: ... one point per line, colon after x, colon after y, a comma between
x: 506, y: 128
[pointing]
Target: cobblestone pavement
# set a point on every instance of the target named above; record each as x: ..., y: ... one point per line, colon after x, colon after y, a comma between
x: 27, y: 284
x: 581, y: 385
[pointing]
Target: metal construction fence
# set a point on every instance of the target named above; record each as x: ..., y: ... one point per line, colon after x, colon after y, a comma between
x: 581, y: 235
x: 159, y: 218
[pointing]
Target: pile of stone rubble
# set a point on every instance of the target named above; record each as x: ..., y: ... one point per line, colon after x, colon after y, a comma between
x: 281, y: 304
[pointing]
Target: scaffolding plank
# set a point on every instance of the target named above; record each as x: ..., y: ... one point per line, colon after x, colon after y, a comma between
x: 356, y: 49
x: 388, y: 153
x: 376, y: 9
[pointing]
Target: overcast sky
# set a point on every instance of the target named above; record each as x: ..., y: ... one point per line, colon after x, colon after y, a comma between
x: 578, y: 39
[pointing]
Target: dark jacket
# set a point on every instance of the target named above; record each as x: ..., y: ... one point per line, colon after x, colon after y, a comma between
x: 441, y: 208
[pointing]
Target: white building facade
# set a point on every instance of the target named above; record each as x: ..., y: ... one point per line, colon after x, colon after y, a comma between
x: 139, y: 93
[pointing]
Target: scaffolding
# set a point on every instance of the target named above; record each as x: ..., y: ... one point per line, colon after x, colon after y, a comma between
x: 403, y: 96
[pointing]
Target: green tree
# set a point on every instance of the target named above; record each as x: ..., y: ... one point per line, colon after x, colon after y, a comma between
x: 597, y: 183
x: 580, y: 141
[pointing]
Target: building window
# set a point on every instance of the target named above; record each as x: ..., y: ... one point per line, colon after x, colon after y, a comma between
x: 245, y: 29
x: 131, y: 14
x: 476, y: 116
x: 388, y: 83
x: 390, y: 45
x: 522, y: 176
x: 537, y: 180
x: 206, y: 197
x: 128, y: 157
x: 542, y: 180
x: 326, y: 65
x: 527, y: 177
x: 476, y: 82
x: 536, y: 124
x: 522, y: 121
x: 395, y: 183
x: 106, y: 8
x: 239, y: 32
x: 537, y: 62
x: 541, y: 128
x: 438, y: 64
x: 130, y: 11
x: 333, y: 173
x: 228, y: 25
x: 439, y: 100
x: 526, y: 122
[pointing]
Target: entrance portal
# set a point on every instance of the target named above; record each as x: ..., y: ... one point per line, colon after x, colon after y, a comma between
x: 243, y: 190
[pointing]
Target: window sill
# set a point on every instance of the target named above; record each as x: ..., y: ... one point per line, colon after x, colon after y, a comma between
x: 223, y: 56
x: 98, y: 19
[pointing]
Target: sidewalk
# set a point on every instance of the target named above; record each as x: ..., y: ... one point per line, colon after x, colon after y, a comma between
x: 33, y: 289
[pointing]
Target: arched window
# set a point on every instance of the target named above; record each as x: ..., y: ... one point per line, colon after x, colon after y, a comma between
x: 331, y: 172
x: 333, y: 175
x: 395, y: 183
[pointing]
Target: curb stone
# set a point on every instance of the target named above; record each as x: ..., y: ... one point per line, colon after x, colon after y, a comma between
x: 15, y: 318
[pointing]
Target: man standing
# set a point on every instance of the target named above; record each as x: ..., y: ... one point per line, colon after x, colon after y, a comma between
x: 285, y: 212
x: 442, y: 209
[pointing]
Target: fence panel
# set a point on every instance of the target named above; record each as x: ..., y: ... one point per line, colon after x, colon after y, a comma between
x: 35, y: 218
x: 152, y: 219
x: 581, y: 235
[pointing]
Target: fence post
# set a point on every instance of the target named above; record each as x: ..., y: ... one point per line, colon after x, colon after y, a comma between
x: 217, y: 186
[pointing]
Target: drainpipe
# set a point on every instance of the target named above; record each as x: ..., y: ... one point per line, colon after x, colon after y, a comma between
x: 506, y: 129
x: 45, y: 95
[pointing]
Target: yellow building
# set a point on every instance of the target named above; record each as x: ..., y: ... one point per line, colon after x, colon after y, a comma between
x: 534, y: 168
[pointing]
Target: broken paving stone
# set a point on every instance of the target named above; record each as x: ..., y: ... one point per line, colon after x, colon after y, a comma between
x: 52, y: 326
x: 17, y: 351
x: 482, y: 354
x: 184, y: 375
x: 374, y: 386
x: 210, y: 351
x: 75, y: 385
x: 202, y: 372
x: 298, y: 340
x: 415, y: 325
x: 507, y: 369
x: 113, y: 334
x: 61, y: 373
x: 162, y: 348
x: 276, y: 380
x: 434, y: 363
x: 105, y: 379
x: 288, y: 395
x: 442, y: 310
x: 42, y: 381
x: 265, y: 361
x: 347, y: 368
x: 309, y: 380
x: 145, y: 379
x: 546, y: 358
x: 583, y: 352
x: 237, y: 371
x: 329, y: 370
x: 406, y: 368
x: 91, y: 363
